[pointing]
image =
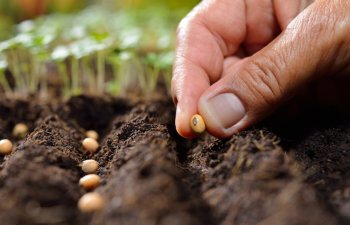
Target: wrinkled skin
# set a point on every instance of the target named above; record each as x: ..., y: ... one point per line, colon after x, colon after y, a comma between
x: 258, y: 54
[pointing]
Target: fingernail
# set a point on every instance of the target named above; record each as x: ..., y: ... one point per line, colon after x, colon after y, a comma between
x: 225, y: 109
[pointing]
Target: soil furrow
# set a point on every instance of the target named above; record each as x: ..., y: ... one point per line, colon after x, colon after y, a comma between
x: 143, y: 184
x: 39, y: 182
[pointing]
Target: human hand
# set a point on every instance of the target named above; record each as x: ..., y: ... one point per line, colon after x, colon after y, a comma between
x: 238, y: 60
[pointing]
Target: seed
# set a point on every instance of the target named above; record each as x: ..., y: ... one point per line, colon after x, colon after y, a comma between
x: 91, y: 202
x: 5, y: 146
x: 197, y: 124
x: 90, y: 181
x: 89, y: 166
x: 90, y: 145
x: 92, y: 134
x: 20, y: 130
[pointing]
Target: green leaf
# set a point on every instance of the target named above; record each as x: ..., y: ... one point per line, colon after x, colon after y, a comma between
x: 60, y: 53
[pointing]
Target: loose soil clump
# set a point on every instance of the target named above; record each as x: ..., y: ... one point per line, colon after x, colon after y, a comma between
x: 149, y: 175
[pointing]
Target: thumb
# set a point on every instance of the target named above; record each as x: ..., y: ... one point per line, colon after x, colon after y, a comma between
x: 253, y: 88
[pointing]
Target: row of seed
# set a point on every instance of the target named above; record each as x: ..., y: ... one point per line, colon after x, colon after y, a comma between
x: 91, y: 201
x: 90, y: 143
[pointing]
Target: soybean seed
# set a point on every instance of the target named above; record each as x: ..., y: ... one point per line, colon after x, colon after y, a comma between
x: 92, y: 134
x: 90, y: 181
x: 89, y: 166
x: 197, y: 124
x: 20, y: 130
x: 90, y: 145
x: 5, y: 146
x: 91, y: 202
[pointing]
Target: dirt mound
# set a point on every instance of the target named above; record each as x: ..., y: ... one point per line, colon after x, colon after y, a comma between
x: 152, y: 176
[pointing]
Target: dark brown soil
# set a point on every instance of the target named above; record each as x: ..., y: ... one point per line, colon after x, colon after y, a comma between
x: 294, y: 173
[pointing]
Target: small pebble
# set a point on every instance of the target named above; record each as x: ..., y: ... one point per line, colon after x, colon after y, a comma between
x: 90, y: 181
x: 90, y: 145
x: 92, y: 134
x: 89, y: 166
x: 91, y: 202
x: 5, y: 146
x: 20, y: 130
x: 197, y: 124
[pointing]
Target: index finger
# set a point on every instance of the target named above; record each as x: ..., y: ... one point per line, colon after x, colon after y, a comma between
x: 203, y: 41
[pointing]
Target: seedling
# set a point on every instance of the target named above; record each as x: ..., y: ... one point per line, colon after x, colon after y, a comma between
x: 90, y: 145
x: 89, y: 166
x: 20, y: 130
x: 5, y: 146
x: 90, y: 181
x: 93, y: 52
x: 91, y: 202
x: 92, y: 134
x: 197, y: 124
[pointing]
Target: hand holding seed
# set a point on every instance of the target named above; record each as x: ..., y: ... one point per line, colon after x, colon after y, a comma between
x: 237, y: 61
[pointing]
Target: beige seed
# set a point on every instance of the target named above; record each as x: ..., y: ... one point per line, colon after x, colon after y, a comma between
x: 91, y: 202
x: 89, y: 166
x: 20, y: 130
x: 5, y: 146
x: 92, y: 134
x: 90, y: 181
x: 197, y: 124
x: 90, y: 145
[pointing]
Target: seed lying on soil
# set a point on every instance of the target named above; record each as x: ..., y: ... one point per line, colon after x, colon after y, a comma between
x: 91, y: 202
x: 89, y: 166
x: 90, y: 145
x: 197, y: 124
x: 5, y: 146
x: 92, y: 134
x: 20, y: 130
x: 89, y: 181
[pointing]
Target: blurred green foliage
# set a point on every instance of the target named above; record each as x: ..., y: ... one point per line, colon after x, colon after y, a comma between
x: 14, y: 11
x: 107, y: 47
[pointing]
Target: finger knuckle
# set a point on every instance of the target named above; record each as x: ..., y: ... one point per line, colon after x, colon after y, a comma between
x: 194, y: 18
x: 263, y: 80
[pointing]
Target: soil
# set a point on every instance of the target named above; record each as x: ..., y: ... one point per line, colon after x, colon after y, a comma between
x: 297, y: 172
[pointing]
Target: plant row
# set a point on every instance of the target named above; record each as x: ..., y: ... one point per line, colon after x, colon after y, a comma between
x: 94, y: 51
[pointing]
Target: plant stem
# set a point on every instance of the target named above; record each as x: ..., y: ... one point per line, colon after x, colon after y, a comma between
x: 20, y: 86
x: 87, y: 71
x: 167, y: 79
x: 140, y: 74
x: 154, y: 78
x: 30, y: 65
x: 116, y: 79
x: 62, y: 70
x: 100, y: 72
x: 4, y: 83
x: 75, y: 76
x: 43, y: 81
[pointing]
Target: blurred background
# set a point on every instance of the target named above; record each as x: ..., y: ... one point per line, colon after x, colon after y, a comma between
x: 91, y: 46
x: 15, y: 11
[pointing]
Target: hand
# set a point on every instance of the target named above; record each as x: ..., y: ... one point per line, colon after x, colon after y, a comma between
x: 238, y: 60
